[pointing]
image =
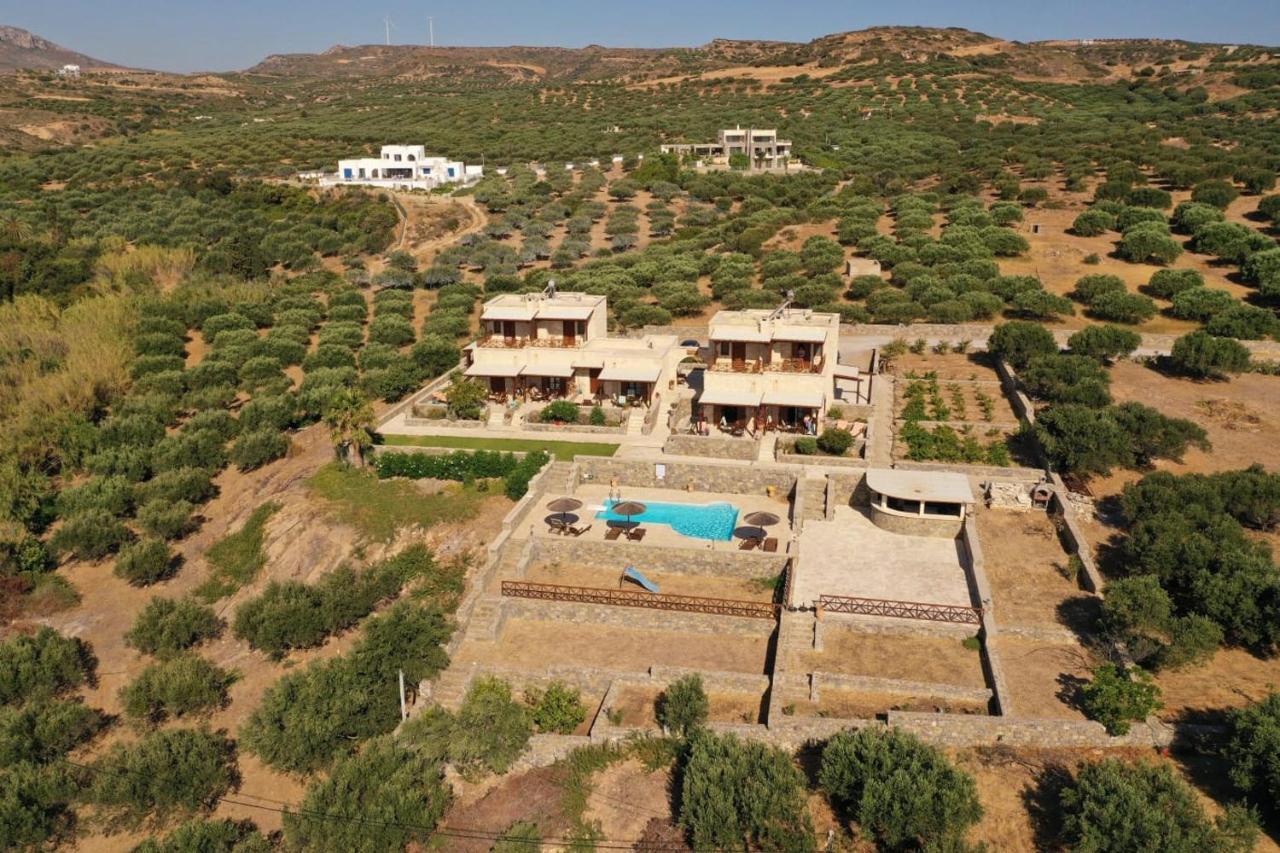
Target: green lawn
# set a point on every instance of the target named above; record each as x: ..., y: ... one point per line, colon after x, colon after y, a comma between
x: 561, y: 450
x: 378, y: 508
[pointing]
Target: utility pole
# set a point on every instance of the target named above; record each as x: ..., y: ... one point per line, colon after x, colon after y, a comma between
x: 431, y: 30
x: 404, y: 714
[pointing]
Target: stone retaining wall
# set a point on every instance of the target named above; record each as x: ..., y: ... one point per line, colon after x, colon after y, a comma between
x: 533, y: 426
x: 444, y: 422
x: 863, y: 624
x: 701, y: 476
x: 710, y: 446
x: 1021, y: 403
x: 959, y: 730
x: 990, y: 472
x: 1077, y: 544
x: 852, y: 460
x: 980, y: 590
x: 658, y: 558
x: 638, y: 618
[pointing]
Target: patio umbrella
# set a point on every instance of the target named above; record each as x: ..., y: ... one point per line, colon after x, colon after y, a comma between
x: 563, y: 506
x: 758, y: 521
x: 629, y: 508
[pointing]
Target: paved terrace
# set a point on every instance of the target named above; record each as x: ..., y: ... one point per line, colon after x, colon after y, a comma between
x: 851, y: 556
x: 594, y: 495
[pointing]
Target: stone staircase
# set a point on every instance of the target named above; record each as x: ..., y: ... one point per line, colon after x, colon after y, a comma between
x: 811, y: 497
x: 451, y: 687
x: 635, y: 420
x: 495, y: 420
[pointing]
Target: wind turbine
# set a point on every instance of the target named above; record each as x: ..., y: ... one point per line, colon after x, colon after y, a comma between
x: 431, y: 31
x: 388, y: 23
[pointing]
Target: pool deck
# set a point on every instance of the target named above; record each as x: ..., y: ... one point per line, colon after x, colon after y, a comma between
x: 594, y: 496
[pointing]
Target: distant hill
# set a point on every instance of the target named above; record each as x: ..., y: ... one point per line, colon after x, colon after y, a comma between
x: 22, y: 49
x: 976, y: 52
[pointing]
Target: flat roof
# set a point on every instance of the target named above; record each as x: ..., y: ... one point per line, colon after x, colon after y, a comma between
x: 569, y: 305
x: 561, y: 370
x: 933, y: 486
x: 631, y: 373
x: 804, y: 334
x: 729, y: 397
x: 500, y: 370
x: 509, y: 312
x: 799, y: 399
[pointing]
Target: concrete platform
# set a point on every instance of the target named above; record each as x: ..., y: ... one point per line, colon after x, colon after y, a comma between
x: 851, y: 556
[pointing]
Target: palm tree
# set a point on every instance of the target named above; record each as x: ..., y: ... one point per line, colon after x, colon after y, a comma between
x: 349, y: 417
x: 14, y: 229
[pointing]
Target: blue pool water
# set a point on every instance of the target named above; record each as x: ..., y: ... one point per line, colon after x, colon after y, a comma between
x: 701, y: 521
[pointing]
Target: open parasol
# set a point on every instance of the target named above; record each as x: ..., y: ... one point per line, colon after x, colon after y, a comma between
x: 629, y: 508
x: 564, y: 506
x: 756, y: 522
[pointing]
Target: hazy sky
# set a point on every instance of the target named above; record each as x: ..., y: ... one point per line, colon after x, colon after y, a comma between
x: 187, y: 35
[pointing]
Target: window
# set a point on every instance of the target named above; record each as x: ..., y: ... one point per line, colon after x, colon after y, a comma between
x: 902, y: 505
x: 412, y: 158
x: 397, y: 158
x: 931, y: 508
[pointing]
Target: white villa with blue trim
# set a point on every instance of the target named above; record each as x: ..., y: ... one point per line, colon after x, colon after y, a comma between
x: 404, y: 167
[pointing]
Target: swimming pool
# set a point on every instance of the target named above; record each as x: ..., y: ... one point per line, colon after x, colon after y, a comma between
x: 701, y: 521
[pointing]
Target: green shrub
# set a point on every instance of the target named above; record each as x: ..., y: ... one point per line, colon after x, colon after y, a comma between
x: 110, y: 494
x: 597, y: 417
x: 395, y: 797
x: 1166, y: 284
x: 1117, y: 697
x: 559, y: 410
x: 1253, y: 751
x: 1202, y: 355
x: 1104, y: 343
x: 558, y: 709
x: 1018, y: 341
x: 805, y: 445
x: 166, y: 520
x: 145, y: 562
x: 177, y: 687
x: 167, y: 626
x: 1130, y: 808
x: 903, y: 793
x: 45, y: 729
x: 1129, y: 308
x: 491, y: 730
x: 34, y: 803
x: 257, y: 448
x: 90, y: 535
x: 43, y: 664
x: 209, y: 836
x: 172, y: 770
x: 835, y: 442
x: 737, y: 795
x: 683, y: 707
x: 193, y: 485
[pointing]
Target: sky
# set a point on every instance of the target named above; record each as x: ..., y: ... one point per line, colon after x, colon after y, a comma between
x: 224, y: 35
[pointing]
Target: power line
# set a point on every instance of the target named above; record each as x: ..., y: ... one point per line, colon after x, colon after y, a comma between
x: 462, y: 833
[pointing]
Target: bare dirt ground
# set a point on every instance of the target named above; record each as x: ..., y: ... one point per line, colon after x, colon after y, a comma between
x: 534, y: 644
x: 1057, y: 258
x: 301, y: 541
x: 941, y: 660
x: 1027, y: 568
x: 1231, y: 679
x: 1044, y: 678
x: 434, y: 223
x: 534, y: 796
x: 948, y: 366
x: 866, y: 705
x: 638, y: 706
x: 626, y: 797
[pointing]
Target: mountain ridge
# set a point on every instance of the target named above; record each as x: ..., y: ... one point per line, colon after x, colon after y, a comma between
x: 23, y: 49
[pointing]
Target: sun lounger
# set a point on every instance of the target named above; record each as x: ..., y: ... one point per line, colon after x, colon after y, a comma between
x: 555, y: 525
x: 612, y: 534
x: 749, y: 544
x: 770, y: 545
x: 636, y: 534
x: 576, y: 531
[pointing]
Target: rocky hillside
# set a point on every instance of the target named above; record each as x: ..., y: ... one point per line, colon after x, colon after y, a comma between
x: 22, y: 49
x: 972, y: 52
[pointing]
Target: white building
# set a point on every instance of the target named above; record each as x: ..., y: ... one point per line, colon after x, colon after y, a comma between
x: 403, y: 167
x: 762, y: 148
x: 556, y: 345
x: 69, y: 71
x: 771, y: 369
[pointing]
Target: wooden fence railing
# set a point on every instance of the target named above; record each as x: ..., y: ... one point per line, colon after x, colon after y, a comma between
x: 638, y: 598
x: 900, y: 609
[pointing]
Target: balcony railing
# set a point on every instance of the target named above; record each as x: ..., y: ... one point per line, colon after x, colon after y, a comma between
x: 794, y: 365
x: 557, y: 343
x: 499, y: 342
x: 725, y: 365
